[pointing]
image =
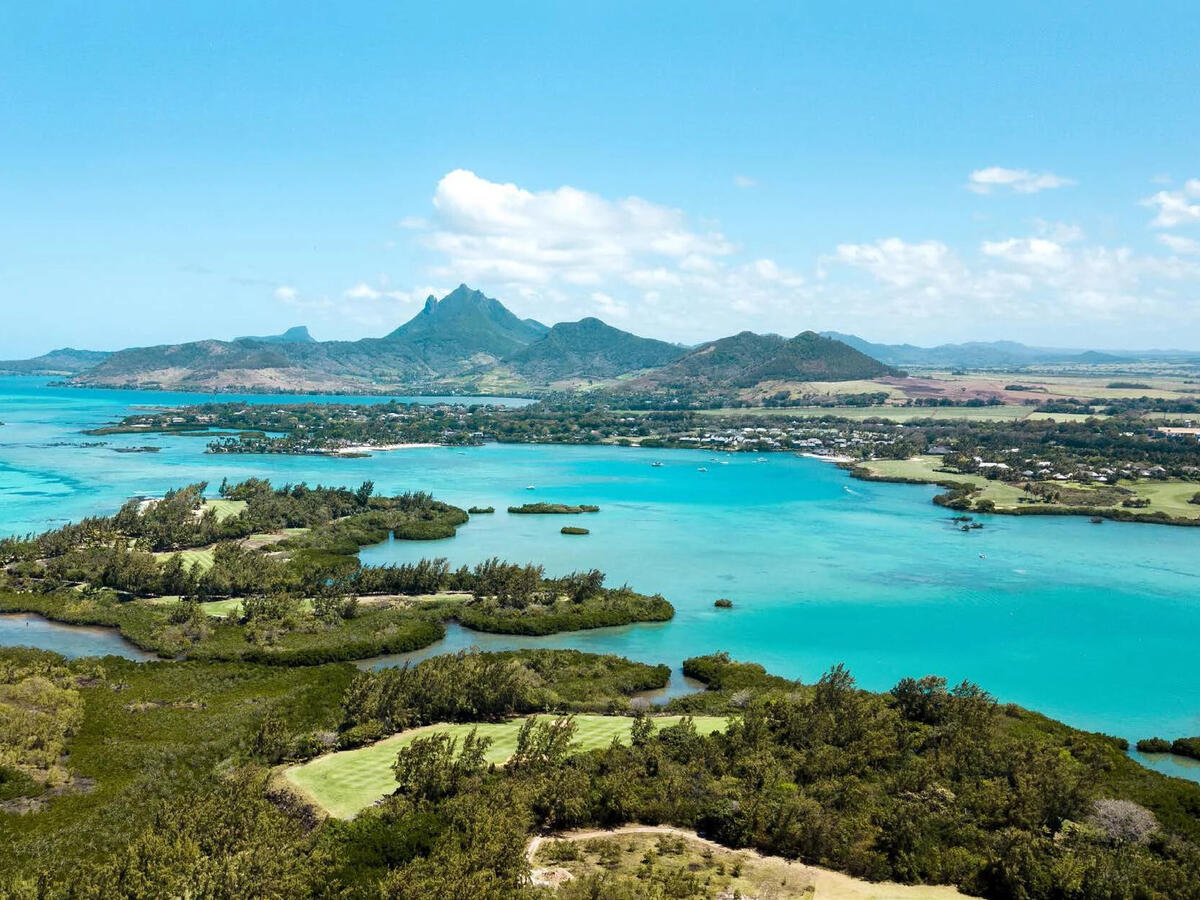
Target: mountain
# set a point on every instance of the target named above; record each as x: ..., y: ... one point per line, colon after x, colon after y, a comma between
x: 298, y: 334
x: 974, y: 354
x: 65, y: 361
x: 746, y: 359
x: 463, y: 331
x: 464, y: 324
x: 469, y: 343
x: 588, y: 349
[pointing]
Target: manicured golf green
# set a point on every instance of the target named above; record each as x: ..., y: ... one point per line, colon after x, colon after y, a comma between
x: 345, y: 783
x: 225, y: 508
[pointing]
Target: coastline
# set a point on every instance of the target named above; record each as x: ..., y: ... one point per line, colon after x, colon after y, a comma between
x: 359, y: 449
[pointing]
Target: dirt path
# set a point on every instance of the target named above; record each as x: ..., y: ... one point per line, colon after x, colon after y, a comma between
x: 829, y: 885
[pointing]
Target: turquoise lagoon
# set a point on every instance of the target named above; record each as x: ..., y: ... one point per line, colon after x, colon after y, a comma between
x: 1094, y: 625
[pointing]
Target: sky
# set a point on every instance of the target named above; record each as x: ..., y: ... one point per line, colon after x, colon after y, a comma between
x: 906, y: 171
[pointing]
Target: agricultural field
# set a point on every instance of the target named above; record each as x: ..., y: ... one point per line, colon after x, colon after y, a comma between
x: 637, y: 855
x: 895, y: 413
x: 347, y: 782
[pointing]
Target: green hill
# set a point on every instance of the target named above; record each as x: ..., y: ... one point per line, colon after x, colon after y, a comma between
x: 65, y: 361
x: 746, y: 359
x: 589, y: 349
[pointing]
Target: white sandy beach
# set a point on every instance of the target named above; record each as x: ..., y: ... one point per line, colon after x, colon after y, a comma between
x: 379, y: 448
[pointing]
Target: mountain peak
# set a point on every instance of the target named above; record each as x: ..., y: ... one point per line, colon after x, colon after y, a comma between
x: 464, y: 323
x: 297, y: 334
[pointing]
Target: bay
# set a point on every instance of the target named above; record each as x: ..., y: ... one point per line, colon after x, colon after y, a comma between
x: 1094, y: 625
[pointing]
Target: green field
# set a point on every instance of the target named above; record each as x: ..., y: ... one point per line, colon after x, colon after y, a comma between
x: 228, y: 608
x: 1170, y: 497
x: 225, y: 508
x: 345, y: 783
x: 201, y: 556
x: 895, y: 413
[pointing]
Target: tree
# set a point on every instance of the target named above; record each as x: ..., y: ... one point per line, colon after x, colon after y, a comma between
x: 431, y: 768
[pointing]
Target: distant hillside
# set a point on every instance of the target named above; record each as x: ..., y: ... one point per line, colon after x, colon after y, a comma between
x: 65, y: 361
x: 589, y: 349
x: 295, y: 335
x: 463, y: 331
x: 974, y: 354
x: 469, y: 343
x: 747, y: 359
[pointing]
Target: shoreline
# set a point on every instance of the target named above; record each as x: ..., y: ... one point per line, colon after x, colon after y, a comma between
x: 358, y: 449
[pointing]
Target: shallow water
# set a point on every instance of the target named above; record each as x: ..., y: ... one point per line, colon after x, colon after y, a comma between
x: 22, y: 630
x: 1095, y: 625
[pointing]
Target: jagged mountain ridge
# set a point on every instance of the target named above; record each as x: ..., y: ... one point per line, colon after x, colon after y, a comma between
x: 466, y: 342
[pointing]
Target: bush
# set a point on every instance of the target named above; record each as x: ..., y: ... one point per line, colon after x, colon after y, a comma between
x: 1189, y: 746
x: 724, y: 603
x: 1154, y: 745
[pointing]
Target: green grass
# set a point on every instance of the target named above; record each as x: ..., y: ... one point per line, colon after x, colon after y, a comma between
x: 230, y: 608
x: 347, y: 782
x: 1170, y: 497
x: 225, y: 508
x: 199, y: 556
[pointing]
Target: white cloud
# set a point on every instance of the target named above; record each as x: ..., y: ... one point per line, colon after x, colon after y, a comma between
x: 901, y: 264
x: 1177, y: 243
x: 1059, y: 232
x: 744, y: 181
x: 1021, y: 181
x: 544, y: 246
x: 565, y: 253
x: 412, y: 223
x: 1030, y: 278
x: 1033, y: 251
x: 1176, y: 207
x: 285, y: 293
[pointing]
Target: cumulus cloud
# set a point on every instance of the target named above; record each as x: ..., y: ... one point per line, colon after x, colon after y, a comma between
x: 1175, y: 208
x: 1029, y: 251
x: 1021, y: 181
x: 285, y: 293
x: 1029, y: 277
x: 568, y: 251
x: 1177, y: 243
x: 744, y: 181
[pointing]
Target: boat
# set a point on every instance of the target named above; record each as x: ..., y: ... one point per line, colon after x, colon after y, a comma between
x: 701, y: 469
x: 656, y: 465
x: 530, y: 487
x: 761, y: 459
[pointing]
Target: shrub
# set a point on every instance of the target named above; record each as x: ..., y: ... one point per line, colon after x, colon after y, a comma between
x: 1153, y: 745
x: 1123, y: 821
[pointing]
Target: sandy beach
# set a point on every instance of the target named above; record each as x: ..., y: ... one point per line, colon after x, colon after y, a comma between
x: 378, y: 448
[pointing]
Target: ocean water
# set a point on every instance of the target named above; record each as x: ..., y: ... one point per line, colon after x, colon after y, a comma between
x: 1092, y: 624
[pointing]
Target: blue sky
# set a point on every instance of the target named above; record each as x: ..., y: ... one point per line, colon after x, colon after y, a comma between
x: 684, y: 170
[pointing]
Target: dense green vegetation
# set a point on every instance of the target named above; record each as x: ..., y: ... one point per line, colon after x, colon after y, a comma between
x: 552, y: 509
x: 297, y: 594
x: 573, y: 529
x: 475, y: 687
x: 920, y: 784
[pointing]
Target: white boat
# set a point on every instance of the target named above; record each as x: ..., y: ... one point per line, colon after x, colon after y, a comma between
x: 530, y: 487
x: 701, y: 469
x: 656, y: 465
